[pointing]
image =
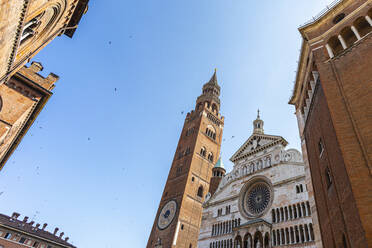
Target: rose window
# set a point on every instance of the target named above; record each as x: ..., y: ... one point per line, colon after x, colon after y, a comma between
x: 258, y: 198
x: 255, y: 198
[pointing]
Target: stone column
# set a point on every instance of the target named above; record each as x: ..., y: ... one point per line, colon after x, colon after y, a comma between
x: 343, y: 43
x: 369, y: 20
x: 355, y: 31
x: 329, y: 50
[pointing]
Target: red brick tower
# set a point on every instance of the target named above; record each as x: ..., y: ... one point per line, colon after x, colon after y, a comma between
x: 179, y: 215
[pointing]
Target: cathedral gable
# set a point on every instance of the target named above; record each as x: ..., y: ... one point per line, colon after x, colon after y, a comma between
x: 257, y: 143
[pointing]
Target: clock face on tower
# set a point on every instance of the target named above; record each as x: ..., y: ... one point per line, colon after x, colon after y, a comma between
x: 167, y: 214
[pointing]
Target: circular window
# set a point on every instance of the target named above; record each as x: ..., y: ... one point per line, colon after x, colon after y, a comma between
x: 255, y: 197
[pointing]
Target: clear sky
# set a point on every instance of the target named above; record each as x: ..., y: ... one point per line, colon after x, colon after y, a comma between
x: 95, y: 162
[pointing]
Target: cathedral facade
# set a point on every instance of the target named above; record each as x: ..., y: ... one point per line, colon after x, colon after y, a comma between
x: 262, y: 202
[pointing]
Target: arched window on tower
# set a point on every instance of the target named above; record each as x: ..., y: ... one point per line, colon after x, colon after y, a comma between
x: 214, y: 108
x: 203, y: 151
x: 210, y: 157
x: 362, y: 25
x: 200, y: 191
x: 210, y: 132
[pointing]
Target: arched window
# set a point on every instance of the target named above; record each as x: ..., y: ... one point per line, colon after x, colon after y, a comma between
x: 273, y: 215
x: 278, y: 237
x: 210, y: 132
x: 292, y: 235
x: 29, y: 29
x: 203, y: 151
x: 307, y: 236
x: 308, y: 208
x: 297, y: 189
x: 311, y: 231
x: 362, y: 25
x: 349, y: 37
x: 303, y: 209
x: 199, y: 106
x: 290, y: 212
x: 274, y: 237
x: 282, y: 214
x: 302, y: 234
x: 294, y: 211
x: 214, y: 108
x: 335, y: 45
x: 299, y: 210
x: 287, y: 235
x: 297, y: 234
x: 277, y: 215
x: 210, y: 157
x: 286, y: 213
x: 200, y: 191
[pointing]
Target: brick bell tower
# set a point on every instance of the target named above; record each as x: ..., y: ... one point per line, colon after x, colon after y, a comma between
x: 179, y: 215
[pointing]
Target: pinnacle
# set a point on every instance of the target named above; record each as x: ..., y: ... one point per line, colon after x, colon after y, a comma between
x: 213, y: 79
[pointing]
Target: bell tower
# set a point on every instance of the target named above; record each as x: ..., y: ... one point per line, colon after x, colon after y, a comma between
x: 178, y: 218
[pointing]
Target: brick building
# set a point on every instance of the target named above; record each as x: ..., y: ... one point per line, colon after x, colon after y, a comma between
x: 178, y: 218
x: 15, y: 233
x: 263, y: 202
x: 27, y: 26
x: 333, y: 98
x: 22, y: 98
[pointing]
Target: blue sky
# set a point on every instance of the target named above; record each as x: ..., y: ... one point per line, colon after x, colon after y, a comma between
x: 95, y: 162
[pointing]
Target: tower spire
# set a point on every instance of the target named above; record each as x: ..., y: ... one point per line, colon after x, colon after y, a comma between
x: 258, y: 124
x: 213, y: 79
x: 210, y: 94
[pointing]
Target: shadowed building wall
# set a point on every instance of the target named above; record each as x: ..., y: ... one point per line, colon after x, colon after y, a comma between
x: 332, y: 97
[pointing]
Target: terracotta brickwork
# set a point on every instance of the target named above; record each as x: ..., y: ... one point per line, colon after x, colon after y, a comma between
x: 27, y: 26
x: 22, y: 97
x: 332, y: 97
x: 190, y: 173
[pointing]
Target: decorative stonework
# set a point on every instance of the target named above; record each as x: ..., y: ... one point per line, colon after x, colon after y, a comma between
x: 256, y: 197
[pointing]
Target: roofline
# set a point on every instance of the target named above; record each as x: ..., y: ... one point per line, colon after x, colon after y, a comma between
x: 235, y: 156
x: 36, y: 236
x: 295, y: 87
x: 30, y: 119
x: 322, y: 13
